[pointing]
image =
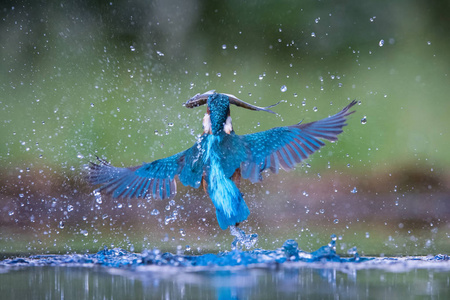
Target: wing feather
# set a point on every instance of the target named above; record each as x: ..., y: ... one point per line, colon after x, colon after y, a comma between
x: 155, y: 179
x: 284, y: 147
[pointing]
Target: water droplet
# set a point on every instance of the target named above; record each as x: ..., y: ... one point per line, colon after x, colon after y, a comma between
x: 10, y: 213
x: 61, y: 224
x: 159, y: 53
x: 187, y: 248
x: 367, y: 235
x: 98, y: 197
x: 428, y: 43
x: 315, y: 108
x: 168, y: 219
x: 283, y: 88
x: 224, y: 47
x: 80, y: 156
x: 352, y: 251
x: 336, y: 221
x: 69, y: 208
x: 381, y: 43
x: 364, y: 120
x: 182, y: 232
x: 260, y: 77
x: 313, y: 34
x: 170, y: 124
x: 354, y: 191
x: 92, y: 104
x: 132, y: 48
x: 154, y: 212
x: 119, y: 205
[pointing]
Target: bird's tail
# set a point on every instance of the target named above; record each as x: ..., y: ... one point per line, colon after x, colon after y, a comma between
x: 231, y: 208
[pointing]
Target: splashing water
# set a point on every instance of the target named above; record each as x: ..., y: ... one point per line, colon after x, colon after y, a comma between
x: 247, y: 240
x: 235, y: 274
x: 117, y: 258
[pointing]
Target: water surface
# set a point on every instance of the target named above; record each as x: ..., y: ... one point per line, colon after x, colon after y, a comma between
x: 284, y: 273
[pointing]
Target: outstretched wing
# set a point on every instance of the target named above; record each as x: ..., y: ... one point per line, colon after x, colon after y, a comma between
x: 287, y: 146
x: 155, y: 179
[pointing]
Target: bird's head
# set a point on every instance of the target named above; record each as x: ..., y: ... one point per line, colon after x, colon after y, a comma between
x: 218, y: 111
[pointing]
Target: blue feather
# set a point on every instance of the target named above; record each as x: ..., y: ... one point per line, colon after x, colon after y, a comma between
x: 286, y: 146
x: 216, y: 157
x: 226, y: 197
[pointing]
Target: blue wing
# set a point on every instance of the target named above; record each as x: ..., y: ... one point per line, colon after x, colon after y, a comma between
x: 287, y: 146
x: 155, y: 179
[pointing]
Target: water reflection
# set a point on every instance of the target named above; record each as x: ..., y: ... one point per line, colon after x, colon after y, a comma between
x: 153, y: 282
x: 286, y: 272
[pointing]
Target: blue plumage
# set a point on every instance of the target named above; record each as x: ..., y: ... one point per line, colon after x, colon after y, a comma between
x: 226, y: 197
x: 219, y: 158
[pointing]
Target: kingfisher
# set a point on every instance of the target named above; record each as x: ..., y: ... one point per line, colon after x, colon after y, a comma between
x: 220, y: 158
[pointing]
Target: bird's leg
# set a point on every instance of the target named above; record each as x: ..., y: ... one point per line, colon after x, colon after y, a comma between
x: 236, y: 177
x: 205, y: 185
x: 248, y: 240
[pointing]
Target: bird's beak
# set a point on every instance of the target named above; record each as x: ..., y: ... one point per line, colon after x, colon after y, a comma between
x: 201, y: 99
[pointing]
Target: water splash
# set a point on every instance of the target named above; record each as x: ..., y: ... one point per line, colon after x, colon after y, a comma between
x: 242, y: 239
x: 118, y: 258
x: 257, y: 274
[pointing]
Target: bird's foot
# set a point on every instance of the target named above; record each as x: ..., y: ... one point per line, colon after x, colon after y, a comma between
x: 242, y: 239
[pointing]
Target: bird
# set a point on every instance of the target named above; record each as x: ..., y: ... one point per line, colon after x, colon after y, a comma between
x: 220, y: 158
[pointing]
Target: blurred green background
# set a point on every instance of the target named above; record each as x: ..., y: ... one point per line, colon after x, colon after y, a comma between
x: 109, y: 79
